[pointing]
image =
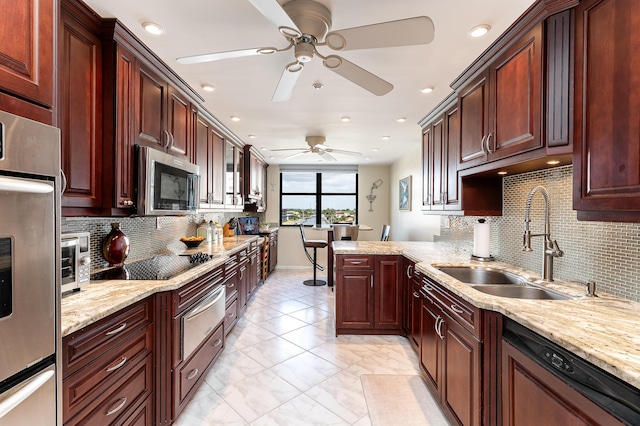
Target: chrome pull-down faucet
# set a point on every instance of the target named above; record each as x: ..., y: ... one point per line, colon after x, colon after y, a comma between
x: 550, y: 248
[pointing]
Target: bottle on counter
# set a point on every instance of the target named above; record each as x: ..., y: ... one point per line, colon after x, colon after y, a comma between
x: 212, y: 232
x: 218, y: 232
x: 204, y: 230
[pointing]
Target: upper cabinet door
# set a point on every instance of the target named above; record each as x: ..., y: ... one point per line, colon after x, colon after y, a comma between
x: 150, y: 111
x: 473, y: 103
x: 26, y: 49
x: 607, y: 109
x: 516, y: 98
x: 179, y: 121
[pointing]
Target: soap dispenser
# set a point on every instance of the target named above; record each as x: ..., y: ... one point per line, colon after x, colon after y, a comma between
x: 204, y: 231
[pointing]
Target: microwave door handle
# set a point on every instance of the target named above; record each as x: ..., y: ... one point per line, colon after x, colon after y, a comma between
x: 69, y: 243
x: 23, y: 185
x: 8, y: 404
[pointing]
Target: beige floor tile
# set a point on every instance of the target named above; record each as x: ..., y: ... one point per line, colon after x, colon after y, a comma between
x: 288, y: 414
x: 308, y: 337
x: 311, y: 315
x: 209, y: 410
x: 258, y: 394
x: 305, y: 370
x: 364, y: 421
x: 273, y: 351
x: 243, y: 337
x: 230, y: 368
x: 342, y: 394
x: 341, y: 354
x: 288, y: 306
x: 260, y: 314
x: 381, y: 364
x: 282, y: 324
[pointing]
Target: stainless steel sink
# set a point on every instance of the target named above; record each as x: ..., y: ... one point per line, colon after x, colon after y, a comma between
x: 522, y: 292
x: 478, y: 275
x: 501, y: 283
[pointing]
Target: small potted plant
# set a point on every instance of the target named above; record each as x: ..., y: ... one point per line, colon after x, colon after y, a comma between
x: 264, y: 226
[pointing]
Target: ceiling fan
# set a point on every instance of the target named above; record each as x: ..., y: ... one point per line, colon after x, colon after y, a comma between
x: 306, y: 25
x: 317, y: 146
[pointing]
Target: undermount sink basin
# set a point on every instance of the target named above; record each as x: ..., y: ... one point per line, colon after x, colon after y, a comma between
x: 501, y: 283
x: 521, y: 292
x: 478, y: 275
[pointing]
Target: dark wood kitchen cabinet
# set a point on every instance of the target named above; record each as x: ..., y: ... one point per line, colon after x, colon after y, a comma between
x: 27, y: 58
x: 79, y: 111
x: 255, y: 180
x: 606, y: 160
x: 108, y: 369
x: 451, y: 353
x: 273, y: 250
x: 501, y: 109
x: 210, y: 157
x: 531, y: 395
x: 369, y: 294
x: 234, y: 174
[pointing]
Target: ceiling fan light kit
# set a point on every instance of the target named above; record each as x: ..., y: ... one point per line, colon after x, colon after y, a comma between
x: 317, y: 146
x: 306, y: 24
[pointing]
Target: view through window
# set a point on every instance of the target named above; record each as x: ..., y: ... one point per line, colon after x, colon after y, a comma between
x: 318, y: 198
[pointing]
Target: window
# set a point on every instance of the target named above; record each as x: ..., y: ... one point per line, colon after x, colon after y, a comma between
x: 318, y: 198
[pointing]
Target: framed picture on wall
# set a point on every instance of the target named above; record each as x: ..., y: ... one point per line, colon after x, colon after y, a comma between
x: 404, y: 194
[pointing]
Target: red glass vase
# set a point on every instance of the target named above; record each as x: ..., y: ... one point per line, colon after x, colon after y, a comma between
x: 115, y: 246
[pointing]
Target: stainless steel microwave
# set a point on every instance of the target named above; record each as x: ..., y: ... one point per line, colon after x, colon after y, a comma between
x: 166, y: 185
x: 75, y: 260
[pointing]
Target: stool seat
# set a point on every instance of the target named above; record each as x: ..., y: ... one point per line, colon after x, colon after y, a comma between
x: 315, y: 243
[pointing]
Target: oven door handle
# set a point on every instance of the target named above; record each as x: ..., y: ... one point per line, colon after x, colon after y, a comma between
x: 17, y: 398
x: 24, y: 185
x: 206, y: 303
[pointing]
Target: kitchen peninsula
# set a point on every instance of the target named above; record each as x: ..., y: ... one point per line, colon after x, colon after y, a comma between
x: 601, y: 330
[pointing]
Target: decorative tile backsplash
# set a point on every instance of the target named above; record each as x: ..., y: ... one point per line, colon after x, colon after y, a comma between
x: 148, y: 235
x: 605, y: 252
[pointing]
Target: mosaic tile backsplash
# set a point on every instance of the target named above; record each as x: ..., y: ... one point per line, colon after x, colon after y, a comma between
x: 148, y: 235
x: 605, y: 252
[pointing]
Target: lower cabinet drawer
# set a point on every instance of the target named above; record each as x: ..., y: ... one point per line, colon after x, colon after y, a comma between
x: 143, y: 415
x: 97, y: 378
x: 194, y: 368
x: 117, y: 403
x: 231, y: 316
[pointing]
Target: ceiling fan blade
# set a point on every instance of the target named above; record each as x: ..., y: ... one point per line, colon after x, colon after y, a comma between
x: 357, y: 75
x: 341, y: 151
x: 289, y: 149
x: 297, y: 154
x: 272, y: 10
x: 405, y: 32
x: 326, y: 156
x: 208, y: 57
x: 287, y: 82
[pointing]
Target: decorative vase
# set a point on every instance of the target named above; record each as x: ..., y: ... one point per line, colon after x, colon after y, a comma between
x: 115, y: 246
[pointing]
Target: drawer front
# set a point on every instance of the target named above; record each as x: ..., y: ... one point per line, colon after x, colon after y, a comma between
x: 188, y: 294
x: 354, y: 262
x: 119, y: 401
x: 84, y: 346
x: 231, y: 284
x: 200, y: 321
x: 460, y: 310
x: 231, y: 316
x: 143, y: 415
x: 96, y: 378
x: 190, y: 372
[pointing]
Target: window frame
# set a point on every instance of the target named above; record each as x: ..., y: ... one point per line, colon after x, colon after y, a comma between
x: 318, y: 194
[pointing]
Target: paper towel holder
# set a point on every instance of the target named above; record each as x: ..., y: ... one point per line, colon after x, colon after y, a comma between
x: 489, y: 258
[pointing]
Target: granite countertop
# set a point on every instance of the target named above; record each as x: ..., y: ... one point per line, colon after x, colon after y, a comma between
x: 99, y: 299
x: 602, y: 330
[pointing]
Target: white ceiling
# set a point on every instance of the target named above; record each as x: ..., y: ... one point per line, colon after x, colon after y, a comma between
x: 244, y: 86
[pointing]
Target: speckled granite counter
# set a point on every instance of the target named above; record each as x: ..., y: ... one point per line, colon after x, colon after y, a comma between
x: 100, y: 299
x: 603, y: 330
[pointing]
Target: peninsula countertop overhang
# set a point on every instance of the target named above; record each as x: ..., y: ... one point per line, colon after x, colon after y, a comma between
x: 603, y: 330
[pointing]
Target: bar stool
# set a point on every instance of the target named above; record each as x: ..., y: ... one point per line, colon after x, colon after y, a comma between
x: 385, y: 233
x: 315, y: 245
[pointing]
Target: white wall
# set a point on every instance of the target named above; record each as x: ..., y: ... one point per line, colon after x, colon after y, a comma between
x: 290, y: 252
x: 411, y: 225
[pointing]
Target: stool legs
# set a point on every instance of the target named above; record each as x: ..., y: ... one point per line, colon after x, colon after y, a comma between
x: 315, y: 281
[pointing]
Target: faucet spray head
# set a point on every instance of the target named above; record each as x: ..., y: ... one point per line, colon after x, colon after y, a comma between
x: 526, y: 238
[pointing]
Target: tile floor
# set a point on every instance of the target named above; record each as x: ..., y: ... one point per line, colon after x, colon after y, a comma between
x: 283, y: 364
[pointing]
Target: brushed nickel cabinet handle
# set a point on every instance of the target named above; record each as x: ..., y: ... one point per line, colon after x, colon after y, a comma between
x: 489, y: 137
x: 416, y: 294
x: 355, y: 262
x: 455, y: 308
x: 371, y: 281
x: 118, y: 407
x: 117, y: 330
x: 193, y: 374
x: 409, y: 272
x: 483, y: 145
x: 118, y: 365
x: 217, y: 342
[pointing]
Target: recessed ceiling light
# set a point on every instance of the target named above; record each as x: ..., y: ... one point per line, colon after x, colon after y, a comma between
x: 367, y: 158
x: 553, y: 162
x: 427, y: 89
x: 386, y: 138
x: 375, y: 149
x: 153, y: 28
x: 401, y: 120
x: 271, y: 157
x: 207, y: 87
x: 263, y: 148
x: 317, y: 85
x: 502, y: 173
x: 345, y: 119
x: 252, y: 136
x: 235, y: 118
x: 479, y: 30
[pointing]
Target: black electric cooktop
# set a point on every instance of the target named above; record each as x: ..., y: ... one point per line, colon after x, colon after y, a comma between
x: 160, y: 267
